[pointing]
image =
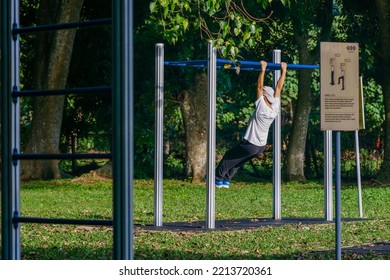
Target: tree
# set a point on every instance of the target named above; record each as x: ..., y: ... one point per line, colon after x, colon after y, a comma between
x: 315, y: 18
x: 383, y: 10
x: 53, y: 56
x: 371, y: 28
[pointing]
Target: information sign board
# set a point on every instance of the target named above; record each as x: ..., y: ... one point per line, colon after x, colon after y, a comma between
x: 340, y: 93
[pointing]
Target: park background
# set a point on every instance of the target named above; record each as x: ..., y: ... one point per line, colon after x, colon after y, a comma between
x: 249, y: 30
x: 296, y: 29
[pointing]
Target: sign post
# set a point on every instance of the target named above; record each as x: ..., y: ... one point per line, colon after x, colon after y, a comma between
x: 340, y: 105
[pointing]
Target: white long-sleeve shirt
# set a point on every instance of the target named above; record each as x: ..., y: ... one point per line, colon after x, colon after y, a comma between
x: 261, y: 120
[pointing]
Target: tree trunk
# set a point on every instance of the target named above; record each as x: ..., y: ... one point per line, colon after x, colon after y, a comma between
x: 383, y: 9
x: 194, y: 110
x: 323, y: 18
x: 296, y: 149
x: 54, y: 52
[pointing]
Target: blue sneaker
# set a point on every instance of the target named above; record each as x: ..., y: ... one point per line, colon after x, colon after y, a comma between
x: 226, y: 184
x: 219, y: 184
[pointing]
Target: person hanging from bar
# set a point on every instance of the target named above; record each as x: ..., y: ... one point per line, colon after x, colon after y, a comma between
x: 267, y: 107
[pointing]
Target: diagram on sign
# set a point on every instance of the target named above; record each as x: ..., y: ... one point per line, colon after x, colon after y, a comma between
x: 342, y: 75
x: 342, y: 69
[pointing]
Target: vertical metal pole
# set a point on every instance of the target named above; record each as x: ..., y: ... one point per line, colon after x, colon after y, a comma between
x: 362, y: 126
x: 7, y: 232
x: 211, y: 127
x: 277, y: 147
x: 15, y: 130
x: 359, y: 182
x: 123, y: 130
x: 328, y: 176
x: 158, y: 140
x: 11, y: 133
x: 338, y: 196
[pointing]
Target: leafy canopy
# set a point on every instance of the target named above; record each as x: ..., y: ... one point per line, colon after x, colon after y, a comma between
x: 230, y: 24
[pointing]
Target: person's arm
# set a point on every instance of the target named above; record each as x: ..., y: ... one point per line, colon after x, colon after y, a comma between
x: 279, y: 85
x: 260, y: 79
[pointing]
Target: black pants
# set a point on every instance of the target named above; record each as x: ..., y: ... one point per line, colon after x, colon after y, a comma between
x: 235, y: 158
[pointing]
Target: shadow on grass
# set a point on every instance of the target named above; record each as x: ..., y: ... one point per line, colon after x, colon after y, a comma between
x: 243, y: 255
x: 56, y: 253
x: 351, y: 254
x: 105, y: 253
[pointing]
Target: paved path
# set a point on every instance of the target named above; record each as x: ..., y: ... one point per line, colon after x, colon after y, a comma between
x: 377, y: 248
x: 382, y: 248
x: 239, y: 224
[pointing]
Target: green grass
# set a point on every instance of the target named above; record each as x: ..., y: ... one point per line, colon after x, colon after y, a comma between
x: 91, y: 198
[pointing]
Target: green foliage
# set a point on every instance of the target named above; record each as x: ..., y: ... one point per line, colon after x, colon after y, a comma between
x: 173, y: 166
x: 226, y: 22
x: 374, y: 106
x: 359, y: 24
x: 235, y: 104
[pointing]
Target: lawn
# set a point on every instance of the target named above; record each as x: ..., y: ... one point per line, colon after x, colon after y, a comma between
x: 91, y: 198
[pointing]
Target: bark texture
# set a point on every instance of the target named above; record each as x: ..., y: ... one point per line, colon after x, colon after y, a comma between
x: 54, y: 51
x: 194, y: 110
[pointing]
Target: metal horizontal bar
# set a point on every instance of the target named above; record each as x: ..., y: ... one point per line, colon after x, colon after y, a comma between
x: 62, y: 221
x: 59, y: 26
x: 275, y: 66
x: 243, y: 64
x: 187, y: 63
x: 26, y: 93
x: 61, y: 156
